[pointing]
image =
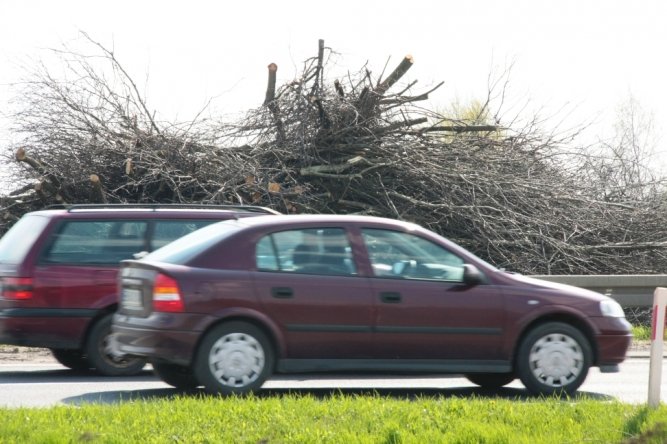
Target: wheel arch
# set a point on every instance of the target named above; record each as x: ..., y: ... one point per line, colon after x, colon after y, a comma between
x: 266, y: 325
x: 563, y: 317
x: 101, y: 313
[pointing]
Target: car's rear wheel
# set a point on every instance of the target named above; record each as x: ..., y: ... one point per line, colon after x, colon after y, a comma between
x: 554, y: 358
x: 71, y: 358
x: 102, y: 357
x: 178, y: 376
x: 234, y: 358
x: 491, y: 380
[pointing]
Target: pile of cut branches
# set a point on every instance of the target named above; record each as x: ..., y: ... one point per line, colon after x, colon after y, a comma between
x: 358, y: 144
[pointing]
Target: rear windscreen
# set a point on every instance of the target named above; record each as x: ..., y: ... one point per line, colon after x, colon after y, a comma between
x: 16, y: 243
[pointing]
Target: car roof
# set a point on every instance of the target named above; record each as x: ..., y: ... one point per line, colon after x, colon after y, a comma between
x: 151, y: 211
x: 322, y: 219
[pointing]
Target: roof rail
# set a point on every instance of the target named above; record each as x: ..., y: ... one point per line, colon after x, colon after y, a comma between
x: 158, y: 206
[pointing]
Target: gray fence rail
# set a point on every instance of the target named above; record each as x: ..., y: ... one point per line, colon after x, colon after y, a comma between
x: 628, y: 290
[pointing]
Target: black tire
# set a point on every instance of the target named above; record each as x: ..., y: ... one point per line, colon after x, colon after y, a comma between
x: 71, y: 358
x: 178, y: 376
x: 240, y: 349
x: 102, y: 359
x: 491, y: 380
x: 554, y: 359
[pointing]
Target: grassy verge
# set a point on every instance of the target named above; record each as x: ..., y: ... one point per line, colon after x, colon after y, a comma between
x: 641, y: 332
x: 338, y: 419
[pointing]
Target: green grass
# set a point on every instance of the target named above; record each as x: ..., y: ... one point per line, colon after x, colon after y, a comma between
x: 641, y: 332
x: 338, y: 419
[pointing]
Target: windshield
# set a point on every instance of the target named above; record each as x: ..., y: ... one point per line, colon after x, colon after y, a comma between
x: 16, y: 243
x: 187, y: 247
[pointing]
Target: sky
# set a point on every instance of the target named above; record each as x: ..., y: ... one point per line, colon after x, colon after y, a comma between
x: 575, y: 59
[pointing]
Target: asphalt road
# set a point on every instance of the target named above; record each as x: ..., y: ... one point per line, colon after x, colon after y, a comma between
x: 40, y: 385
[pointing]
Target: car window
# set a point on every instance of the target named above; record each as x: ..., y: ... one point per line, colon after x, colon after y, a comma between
x: 185, y: 248
x: 400, y: 255
x: 95, y: 242
x: 16, y: 243
x: 311, y: 251
x: 166, y: 231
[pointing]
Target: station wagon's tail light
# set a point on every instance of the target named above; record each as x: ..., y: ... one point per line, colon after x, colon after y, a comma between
x: 166, y: 295
x: 16, y: 288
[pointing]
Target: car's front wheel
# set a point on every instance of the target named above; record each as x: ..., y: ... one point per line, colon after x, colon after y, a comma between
x: 234, y: 358
x: 102, y: 356
x: 490, y: 380
x: 554, y: 358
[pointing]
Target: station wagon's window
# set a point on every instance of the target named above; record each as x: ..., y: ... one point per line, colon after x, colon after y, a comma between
x: 16, y: 243
x: 96, y: 242
x: 185, y: 248
x: 166, y: 231
x: 405, y: 256
x: 311, y: 251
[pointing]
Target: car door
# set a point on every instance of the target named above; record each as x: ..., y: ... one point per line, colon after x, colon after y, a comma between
x: 75, y: 275
x: 308, y: 284
x: 78, y: 268
x: 423, y: 308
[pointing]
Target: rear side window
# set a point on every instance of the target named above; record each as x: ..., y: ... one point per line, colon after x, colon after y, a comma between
x: 167, y: 231
x: 310, y: 251
x: 185, y: 248
x: 95, y: 242
x: 16, y: 242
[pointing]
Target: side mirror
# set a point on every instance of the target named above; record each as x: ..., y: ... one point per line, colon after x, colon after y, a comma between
x: 472, y: 275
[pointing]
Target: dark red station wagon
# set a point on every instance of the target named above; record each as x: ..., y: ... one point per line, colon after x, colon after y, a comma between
x: 229, y: 305
x: 58, y: 273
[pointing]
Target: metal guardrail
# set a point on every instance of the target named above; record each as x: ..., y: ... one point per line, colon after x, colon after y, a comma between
x: 627, y: 290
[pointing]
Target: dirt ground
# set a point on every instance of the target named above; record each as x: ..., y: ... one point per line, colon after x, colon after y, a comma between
x: 12, y: 354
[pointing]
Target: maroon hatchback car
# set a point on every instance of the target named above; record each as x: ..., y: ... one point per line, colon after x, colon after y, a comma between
x: 229, y: 305
x: 58, y: 273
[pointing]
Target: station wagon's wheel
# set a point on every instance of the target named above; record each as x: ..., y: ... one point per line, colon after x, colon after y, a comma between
x: 178, y: 376
x: 101, y: 355
x: 234, y: 358
x: 491, y: 380
x: 554, y: 358
x: 71, y: 358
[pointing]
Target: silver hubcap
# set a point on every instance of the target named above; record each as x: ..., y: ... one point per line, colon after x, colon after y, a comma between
x: 236, y: 360
x: 556, y: 360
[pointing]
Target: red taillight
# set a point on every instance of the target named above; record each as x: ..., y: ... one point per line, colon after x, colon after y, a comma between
x: 16, y: 288
x: 166, y: 294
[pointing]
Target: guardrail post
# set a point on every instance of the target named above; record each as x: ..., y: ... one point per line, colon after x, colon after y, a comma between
x: 657, y: 342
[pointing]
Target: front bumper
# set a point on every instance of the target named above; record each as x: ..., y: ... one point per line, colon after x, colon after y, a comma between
x: 613, y: 341
x: 612, y: 349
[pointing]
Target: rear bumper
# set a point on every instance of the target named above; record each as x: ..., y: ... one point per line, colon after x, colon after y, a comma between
x: 50, y: 328
x: 161, y: 336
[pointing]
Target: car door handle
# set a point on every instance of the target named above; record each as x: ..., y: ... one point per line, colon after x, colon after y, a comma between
x: 282, y: 292
x: 390, y: 297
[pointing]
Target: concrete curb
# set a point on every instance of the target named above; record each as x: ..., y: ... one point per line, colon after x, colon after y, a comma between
x: 639, y: 349
x: 638, y: 354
